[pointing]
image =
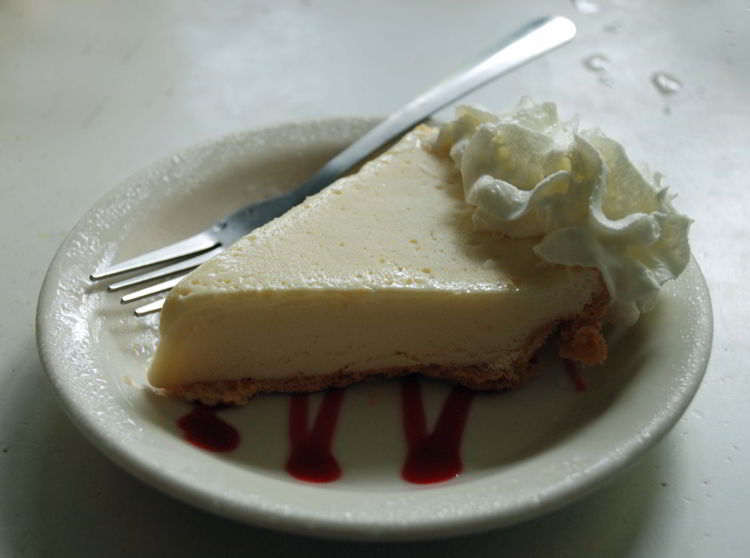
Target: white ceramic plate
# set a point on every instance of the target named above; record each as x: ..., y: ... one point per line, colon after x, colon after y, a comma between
x: 524, y: 453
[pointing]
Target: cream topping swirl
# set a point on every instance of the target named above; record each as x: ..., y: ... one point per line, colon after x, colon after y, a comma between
x: 529, y: 174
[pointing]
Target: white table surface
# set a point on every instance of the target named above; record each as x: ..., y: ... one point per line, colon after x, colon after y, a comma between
x: 91, y: 92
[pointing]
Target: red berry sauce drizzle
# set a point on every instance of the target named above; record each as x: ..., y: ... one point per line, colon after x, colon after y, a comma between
x: 204, y: 429
x: 432, y: 457
x: 310, y: 455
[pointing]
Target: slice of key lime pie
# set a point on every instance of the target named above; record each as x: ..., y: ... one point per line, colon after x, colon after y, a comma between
x: 456, y: 254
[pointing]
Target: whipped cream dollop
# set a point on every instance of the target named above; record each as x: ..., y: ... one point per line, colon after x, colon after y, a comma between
x: 529, y: 174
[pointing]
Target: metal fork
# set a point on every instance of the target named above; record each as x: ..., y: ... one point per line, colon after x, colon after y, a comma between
x: 529, y: 42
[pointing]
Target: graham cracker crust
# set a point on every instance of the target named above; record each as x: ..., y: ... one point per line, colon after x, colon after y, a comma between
x: 238, y: 392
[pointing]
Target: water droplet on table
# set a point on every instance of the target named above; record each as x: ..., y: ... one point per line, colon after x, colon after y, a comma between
x: 586, y: 6
x: 596, y: 63
x: 666, y: 84
x: 599, y: 64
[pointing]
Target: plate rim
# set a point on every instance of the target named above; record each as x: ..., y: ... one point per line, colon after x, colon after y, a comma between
x: 324, y: 527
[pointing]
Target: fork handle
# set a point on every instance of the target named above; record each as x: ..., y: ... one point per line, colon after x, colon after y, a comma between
x: 526, y: 44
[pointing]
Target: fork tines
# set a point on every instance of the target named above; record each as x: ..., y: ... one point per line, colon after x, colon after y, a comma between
x: 202, y: 247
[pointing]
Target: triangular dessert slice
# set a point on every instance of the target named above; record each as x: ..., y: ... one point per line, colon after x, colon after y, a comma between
x: 381, y: 274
